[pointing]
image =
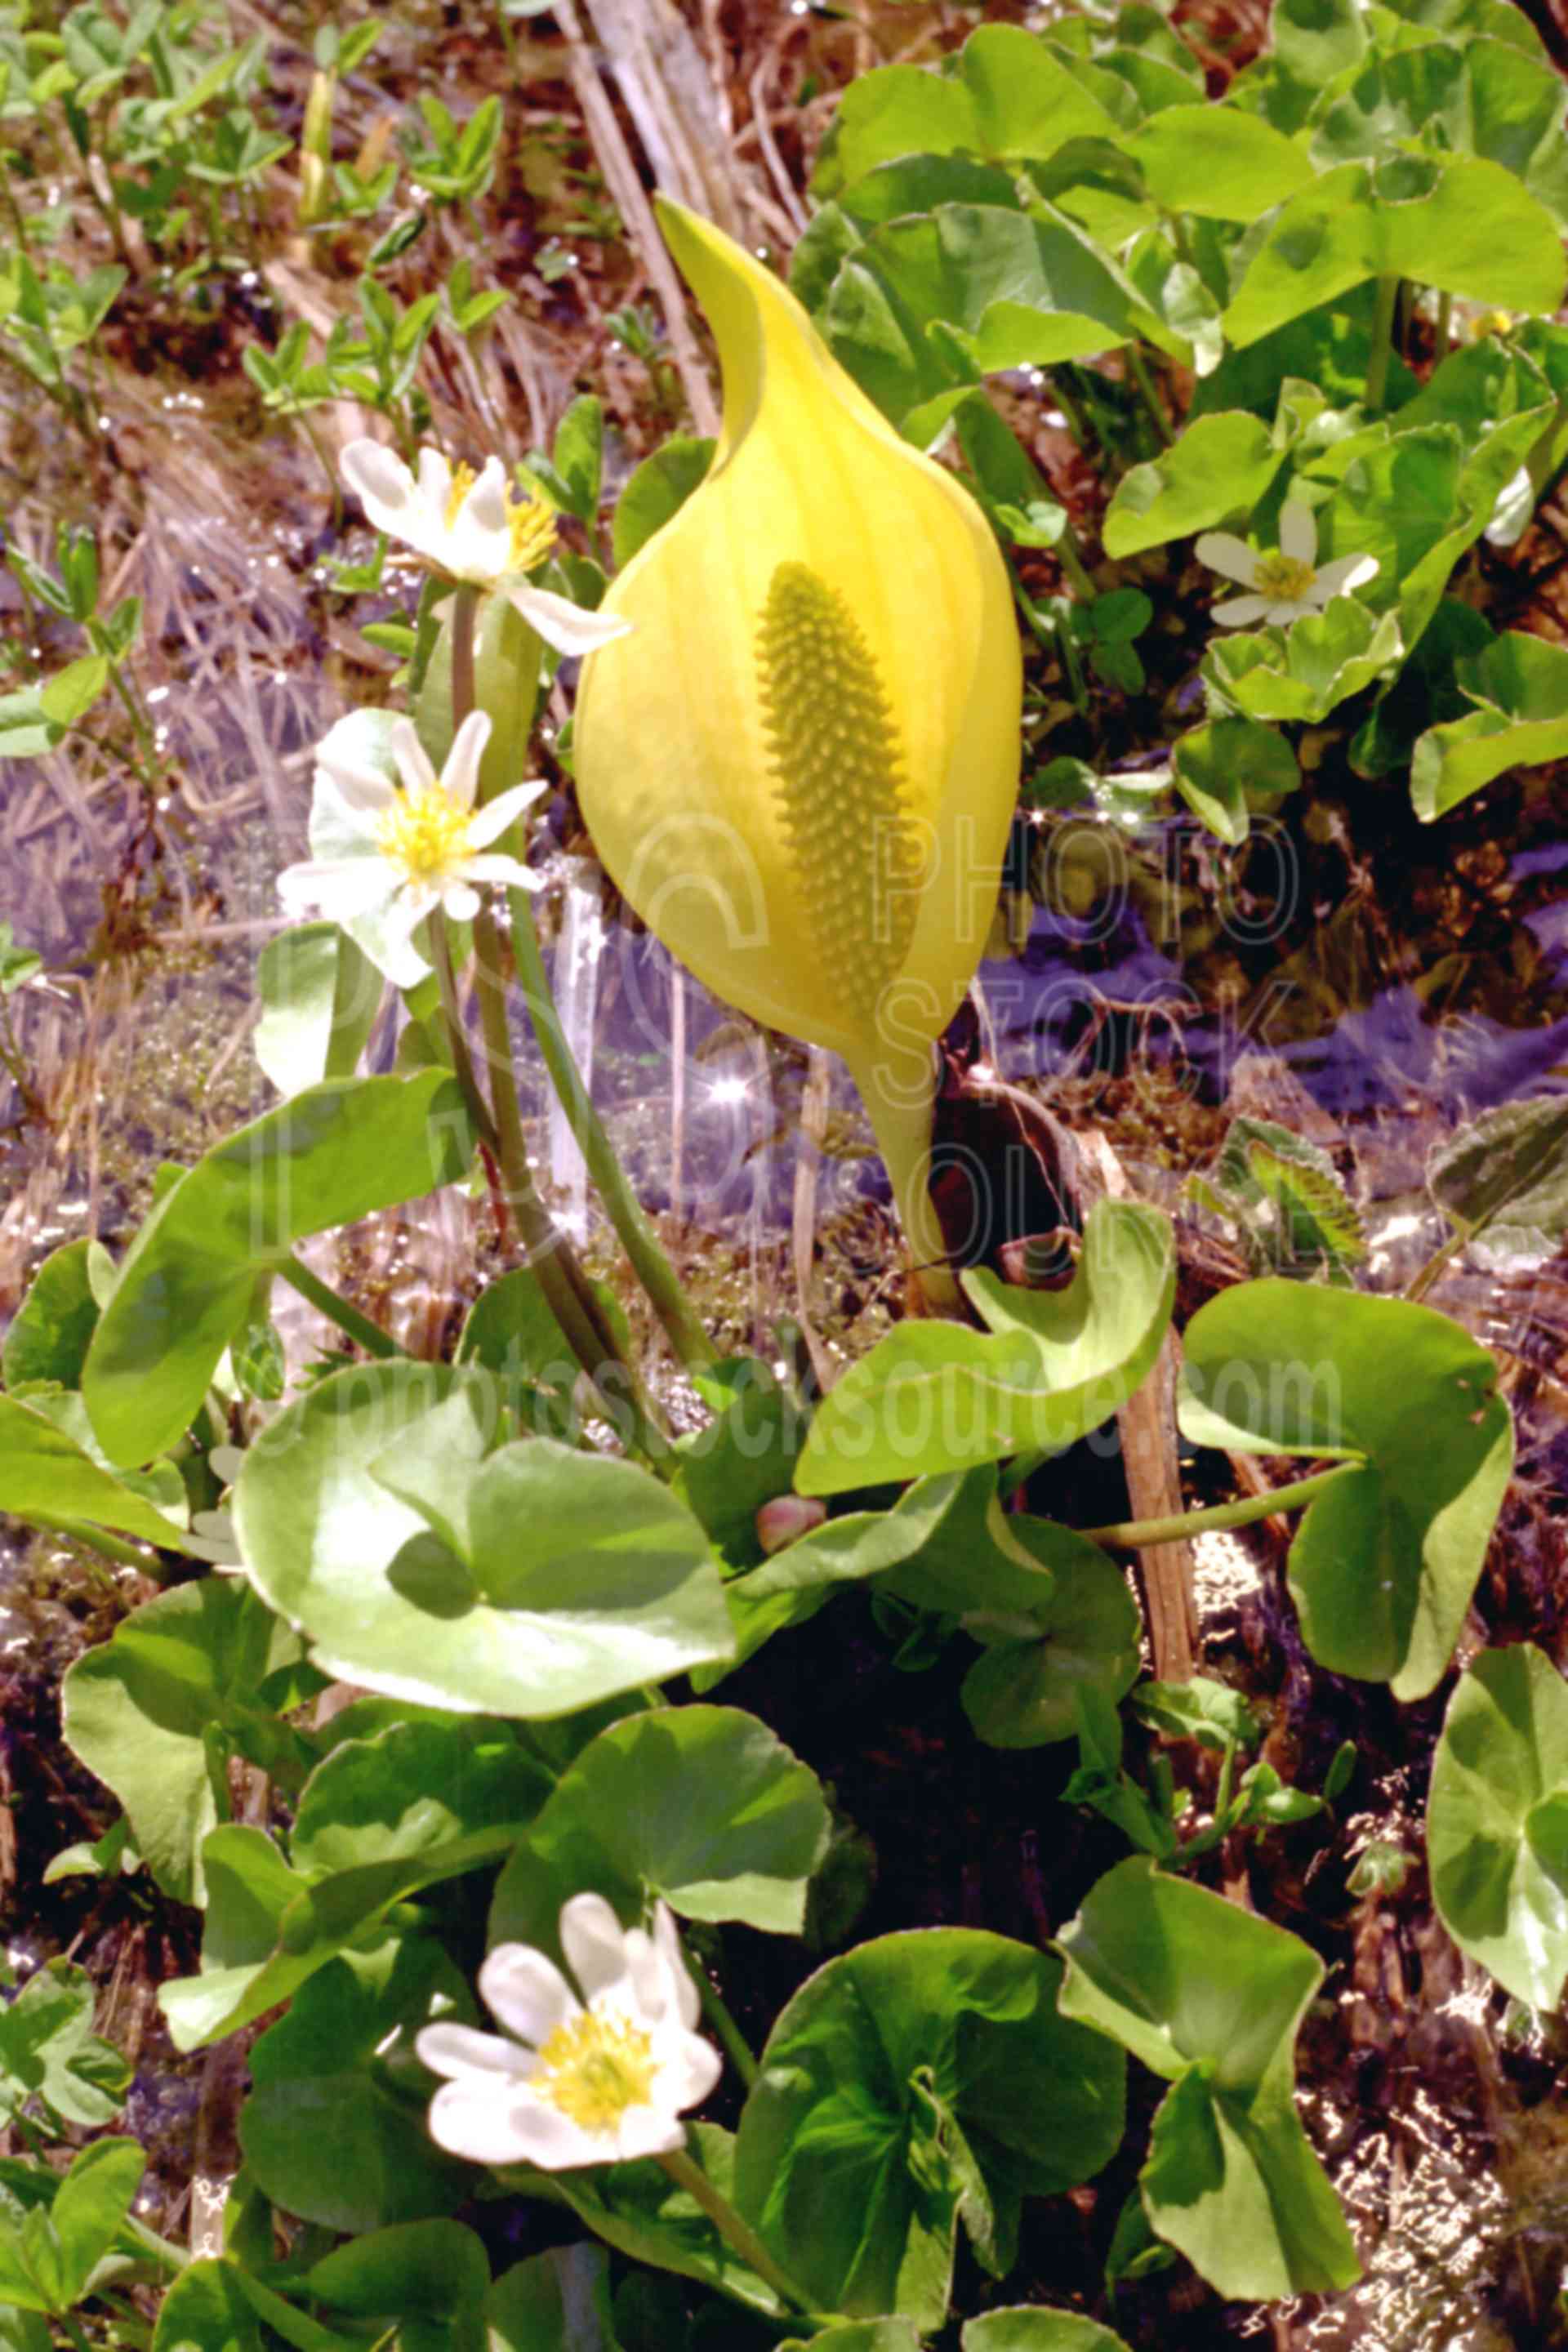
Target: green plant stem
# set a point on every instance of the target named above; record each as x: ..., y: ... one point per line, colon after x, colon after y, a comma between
x: 112, y: 1548
x: 1143, y: 1535
x: 555, y: 1263
x: 73, y: 2330
x: 314, y: 438
x: 458, y: 1036
x: 652, y: 1267
x: 716, y: 2009
x: 1069, y: 555
x: 140, y: 723
x: 1077, y: 423
x: 348, y: 1320
x: 1381, y: 343
x: 1445, y: 328
x: 1421, y: 1282
x: 729, y: 2226
x: 1138, y: 370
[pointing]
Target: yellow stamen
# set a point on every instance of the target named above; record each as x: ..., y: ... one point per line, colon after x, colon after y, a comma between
x: 1283, y: 579
x: 532, y: 523
x: 1488, y: 322
x: 426, y: 834
x: 463, y: 480
x: 595, y: 2069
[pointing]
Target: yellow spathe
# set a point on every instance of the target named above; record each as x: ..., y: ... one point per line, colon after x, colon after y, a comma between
x: 800, y: 765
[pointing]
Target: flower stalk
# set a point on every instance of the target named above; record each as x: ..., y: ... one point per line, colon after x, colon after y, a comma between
x: 731, y: 2227
x: 1143, y: 1535
x: 567, y: 1288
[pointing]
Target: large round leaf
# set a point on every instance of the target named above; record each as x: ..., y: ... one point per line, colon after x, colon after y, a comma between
x: 334, y: 2130
x: 1210, y: 1997
x: 1497, y: 1822
x: 920, y: 2077
x: 1386, y: 1558
x: 702, y: 1805
x: 1050, y: 1367
x: 528, y: 1583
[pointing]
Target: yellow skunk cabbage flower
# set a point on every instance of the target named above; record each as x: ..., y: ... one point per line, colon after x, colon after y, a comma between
x: 800, y: 763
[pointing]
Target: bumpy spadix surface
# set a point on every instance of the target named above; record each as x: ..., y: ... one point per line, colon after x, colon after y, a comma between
x: 800, y: 764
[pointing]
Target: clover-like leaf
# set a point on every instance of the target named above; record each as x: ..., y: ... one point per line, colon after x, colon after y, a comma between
x: 1052, y: 1367
x: 1497, y: 1822
x: 917, y: 2076
x: 1210, y: 1997
x: 1386, y: 1558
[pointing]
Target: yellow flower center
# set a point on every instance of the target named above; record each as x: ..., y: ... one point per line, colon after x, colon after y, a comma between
x: 1284, y: 579
x: 1488, y: 322
x: 424, y: 833
x: 595, y: 2069
x: 531, y: 523
x: 836, y: 766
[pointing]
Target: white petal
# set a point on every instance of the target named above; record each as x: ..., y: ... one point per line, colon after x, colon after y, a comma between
x: 460, y: 775
x: 494, y: 866
x: 362, y: 792
x: 460, y: 902
x: 485, y: 502
x: 487, y: 823
x: 1298, y: 532
x: 564, y: 625
x: 478, y: 2119
x: 1346, y: 572
x: 1223, y: 551
x: 542, y: 2134
x: 413, y: 761
x: 689, y: 2068
x: 527, y: 1992
x: 382, y: 483
x: 1283, y: 610
x: 596, y: 1947
x: 408, y: 910
x: 435, y: 484
x: 1238, y: 612
x: 666, y: 1941
x: 458, y: 2051
x: 341, y: 888
x: 648, y: 2131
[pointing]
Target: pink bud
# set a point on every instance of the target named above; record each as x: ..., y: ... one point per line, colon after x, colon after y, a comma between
x: 787, y: 1519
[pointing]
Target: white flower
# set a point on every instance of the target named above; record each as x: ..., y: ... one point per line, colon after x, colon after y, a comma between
x: 598, y: 2080
x: 473, y: 528
x: 405, y: 853
x: 1286, y: 586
